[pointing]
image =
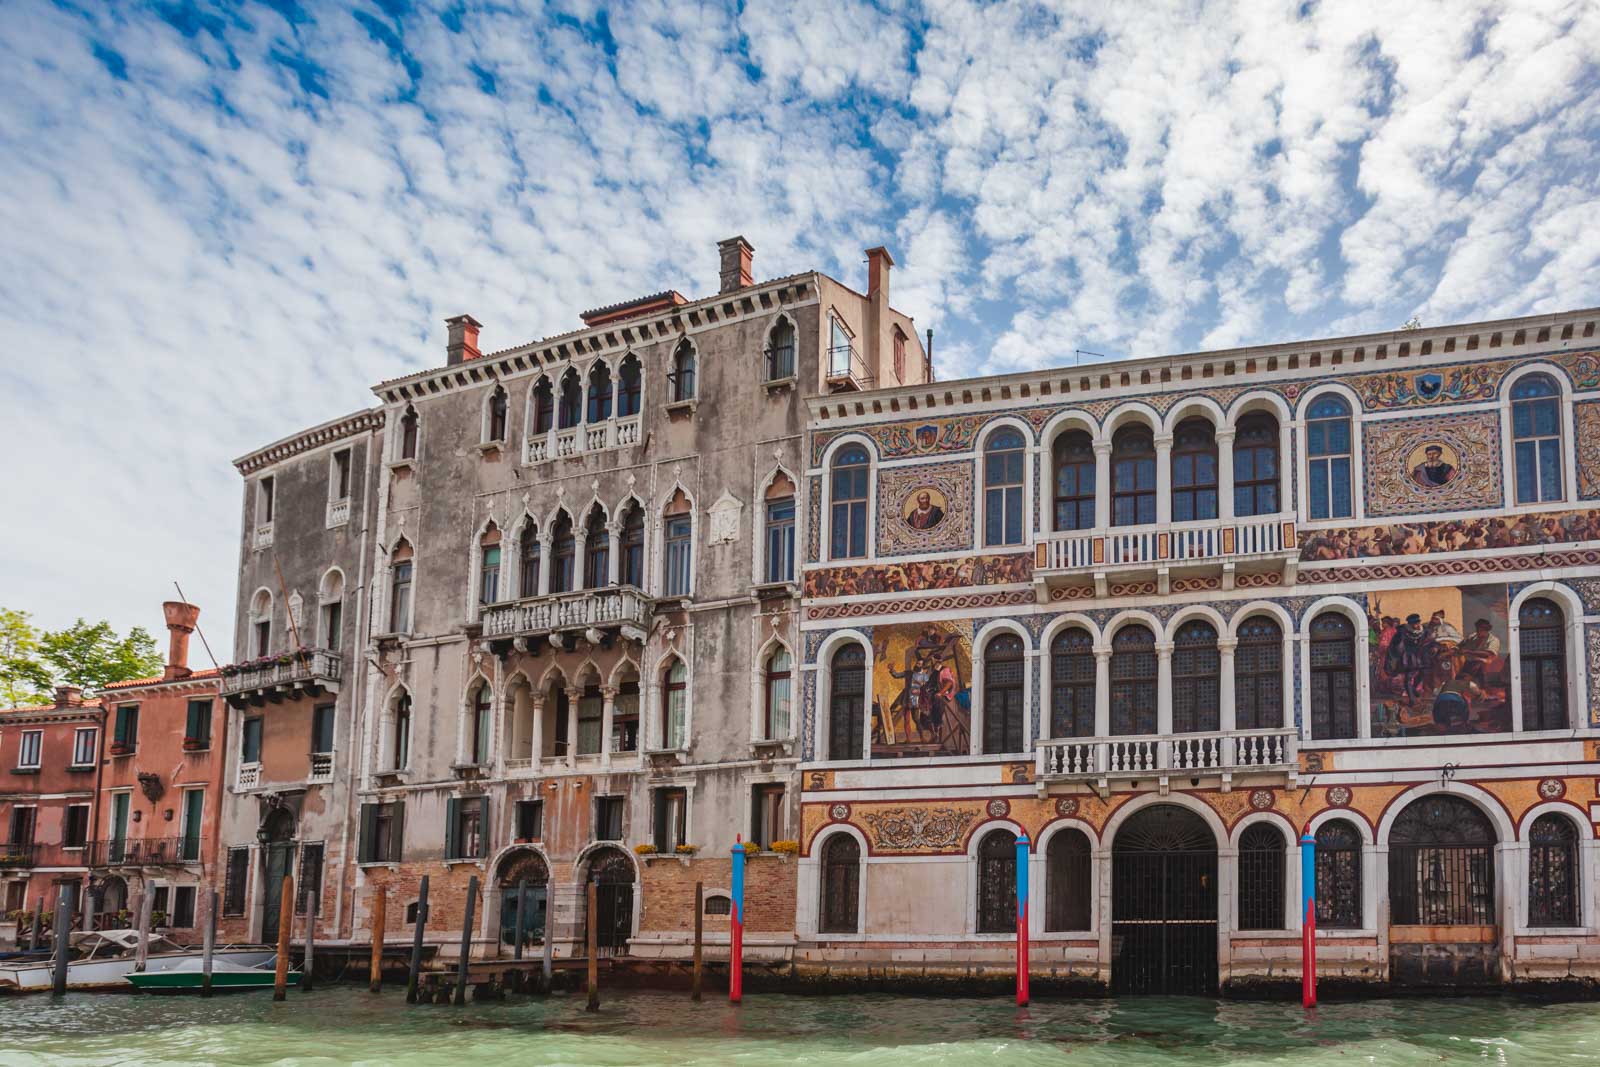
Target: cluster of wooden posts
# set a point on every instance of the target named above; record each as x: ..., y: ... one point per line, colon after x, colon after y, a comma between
x: 62, y: 934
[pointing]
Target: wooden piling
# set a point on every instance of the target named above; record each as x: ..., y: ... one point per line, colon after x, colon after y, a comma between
x: 522, y: 900
x: 466, y: 941
x: 280, y: 982
x: 379, y: 917
x: 591, y: 920
x: 38, y: 920
x: 416, y: 941
x: 210, y: 945
x: 699, y: 937
x: 63, y: 932
x: 547, y: 970
x: 307, y: 979
x: 141, y: 951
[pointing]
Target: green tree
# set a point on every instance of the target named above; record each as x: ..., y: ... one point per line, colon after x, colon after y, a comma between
x: 91, y: 655
x: 23, y: 678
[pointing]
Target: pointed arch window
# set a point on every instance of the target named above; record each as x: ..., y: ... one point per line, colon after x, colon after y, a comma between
x: 482, y: 713
x: 570, y: 409
x: 681, y: 382
x: 563, y: 553
x: 1194, y: 471
x: 1333, y: 677
x: 1553, y: 872
x: 633, y: 546
x: 1068, y: 865
x: 674, y: 705
x: 780, y: 350
x: 841, y: 884
x: 1133, y: 680
x: 1003, y: 457
x: 678, y: 554
x: 775, y: 706
x: 401, y: 743
x: 596, y: 551
x: 1258, y: 674
x: 848, y: 517
x: 495, y: 426
x: 1255, y: 465
x: 489, y: 566
x: 1072, y: 682
x: 997, y: 883
x: 528, y: 552
x: 1133, y: 477
x: 1262, y: 858
x: 1073, y: 453
x: 400, y: 588
x: 630, y: 386
x: 1542, y: 650
x: 1003, y: 714
x: 1536, y: 439
x: 544, y: 405
x: 1329, y: 459
x: 847, y: 702
x: 408, y: 433
x: 599, y: 391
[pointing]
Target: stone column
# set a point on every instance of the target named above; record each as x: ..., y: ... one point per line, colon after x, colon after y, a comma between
x: 614, y: 556
x: 1102, y: 485
x: 1102, y: 691
x: 1224, y: 474
x: 608, y: 706
x: 1225, y: 649
x: 1163, y: 478
x: 546, y: 561
x: 1164, y: 688
x: 574, y: 695
x: 538, y: 700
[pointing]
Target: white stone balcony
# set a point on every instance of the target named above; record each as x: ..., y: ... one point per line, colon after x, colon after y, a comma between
x: 264, y: 535
x: 247, y: 777
x: 288, y: 676
x: 577, y: 440
x: 622, y: 608
x: 338, y: 513
x: 321, y: 769
x: 1223, y: 549
x: 1098, y: 760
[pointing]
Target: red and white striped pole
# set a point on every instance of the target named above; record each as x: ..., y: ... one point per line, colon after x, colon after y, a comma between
x: 1022, y: 920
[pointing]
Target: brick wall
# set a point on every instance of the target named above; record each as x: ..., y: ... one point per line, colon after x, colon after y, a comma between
x: 668, y: 884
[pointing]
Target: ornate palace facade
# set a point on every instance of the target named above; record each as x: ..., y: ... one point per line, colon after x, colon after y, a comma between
x: 1163, y: 615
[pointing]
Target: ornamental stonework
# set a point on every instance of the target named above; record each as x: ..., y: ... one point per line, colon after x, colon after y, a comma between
x: 925, y: 508
x: 1588, y: 449
x: 1431, y: 464
x: 919, y: 829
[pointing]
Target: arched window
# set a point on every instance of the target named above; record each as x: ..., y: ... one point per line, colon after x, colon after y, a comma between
x: 1003, y: 457
x: 630, y: 386
x: 780, y: 350
x: 1067, y: 882
x: 1261, y: 878
x: 1255, y: 465
x: 400, y: 588
x: 563, y: 553
x: 1194, y: 471
x: 1072, y: 678
x: 1133, y: 681
x: 596, y: 551
x: 1133, y: 477
x: 261, y: 624
x: 775, y: 706
x: 997, y: 882
x: 1553, y: 872
x: 400, y: 746
x: 1196, y: 679
x: 841, y: 884
x: 1329, y: 459
x: 331, y: 597
x: 851, y: 471
x: 1073, y: 454
x: 847, y: 702
x: 599, y: 391
x: 1441, y: 864
x: 489, y: 565
x: 681, y: 380
x: 1333, y: 677
x: 674, y: 705
x: 1338, y: 876
x: 1258, y: 674
x: 1542, y: 645
x: 544, y: 405
x: 633, y: 546
x: 1536, y: 439
x: 528, y: 550
x: 570, y: 411
x: 1002, y: 694
x: 779, y: 534
x: 408, y: 433
x: 678, y: 547
x: 495, y: 425
x: 480, y: 726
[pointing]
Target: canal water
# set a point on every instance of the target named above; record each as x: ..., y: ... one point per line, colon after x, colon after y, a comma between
x: 637, y: 1029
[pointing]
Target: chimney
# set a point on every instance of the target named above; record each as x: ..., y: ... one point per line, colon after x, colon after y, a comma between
x: 463, y: 342
x: 735, y: 255
x: 878, y: 263
x: 181, y: 619
x: 69, y: 696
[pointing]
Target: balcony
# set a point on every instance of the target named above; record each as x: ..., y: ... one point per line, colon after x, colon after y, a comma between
x: 623, y: 610
x: 576, y: 440
x: 1098, y: 760
x: 338, y: 513
x: 247, y: 777
x: 1217, y: 554
x: 264, y: 535
x: 18, y: 855
x: 145, y: 852
x: 321, y: 768
x: 848, y: 370
x: 274, y: 679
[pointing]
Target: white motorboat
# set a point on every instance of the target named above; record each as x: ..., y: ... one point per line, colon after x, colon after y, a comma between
x: 106, y: 959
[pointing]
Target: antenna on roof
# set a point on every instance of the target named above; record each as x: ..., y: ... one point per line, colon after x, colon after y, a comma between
x: 1085, y: 352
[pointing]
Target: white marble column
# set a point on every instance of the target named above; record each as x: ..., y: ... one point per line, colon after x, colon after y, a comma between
x: 538, y: 700
x: 1225, y: 474
x: 1102, y: 691
x: 1102, y: 485
x: 1163, y: 478
x: 1164, y: 688
x: 608, y: 707
x: 614, y: 555
x: 546, y: 562
x: 1225, y: 650
x: 574, y: 695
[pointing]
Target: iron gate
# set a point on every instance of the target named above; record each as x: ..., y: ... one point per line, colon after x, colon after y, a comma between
x: 1164, y: 905
x: 612, y: 875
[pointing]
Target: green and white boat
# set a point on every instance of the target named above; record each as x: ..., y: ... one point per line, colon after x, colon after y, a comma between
x: 189, y: 977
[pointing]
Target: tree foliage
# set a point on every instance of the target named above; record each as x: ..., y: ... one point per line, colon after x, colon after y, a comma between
x: 91, y: 655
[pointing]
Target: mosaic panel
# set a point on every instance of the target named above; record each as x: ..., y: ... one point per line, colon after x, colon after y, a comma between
x: 808, y: 712
x: 1591, y: 644
x: 922, y: 690
x: 1426, y: 568
x: 1450, y: 535
x: 926, y: 508
x: 1588, y: 590
x: 1433, y: 463
x: 861, y: 609
x: 1588, y: 448
x: 814, y: 521
x: 1440, y: 660
x: 919, y: 575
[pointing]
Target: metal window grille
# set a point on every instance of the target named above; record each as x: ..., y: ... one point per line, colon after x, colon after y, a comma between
x: 1553, y: 872
x: 1072, y: 682
x: 1333, y: 678
x: 1543, y: 653
x: 1196, y: 679
x: 1133, y: 681
x: 847, y: 703
x: 1338, y: 876
x: 1068, y: 868
x: 841, y: 884
x: 1002, y: 695
x: 1261, y: 878
x: 997, y: 883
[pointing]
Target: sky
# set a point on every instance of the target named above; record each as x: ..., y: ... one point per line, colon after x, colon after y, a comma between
x: 222, y: 223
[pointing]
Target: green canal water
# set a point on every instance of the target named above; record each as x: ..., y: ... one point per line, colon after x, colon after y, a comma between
x: 348, y: 1025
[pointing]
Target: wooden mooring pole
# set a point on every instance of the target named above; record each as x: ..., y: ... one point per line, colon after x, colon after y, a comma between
x: 522, y: 900
x: 592, y: 921
x: 416, y: 942
x: 141, y: 951
x: 210, y: 945
x: 38, y: 920
x: 306, y: 977
x: 379, y: 909
x: 548, y: 966
x: 699, y: 938
x: 63, y: 932
x: 466, y: 941
x: 280, y: 981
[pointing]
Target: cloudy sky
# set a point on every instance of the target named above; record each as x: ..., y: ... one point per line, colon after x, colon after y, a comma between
x: 220, y: 223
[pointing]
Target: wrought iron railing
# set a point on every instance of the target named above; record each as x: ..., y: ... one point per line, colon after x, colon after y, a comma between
x: 144, y: 852
x: 1441, y: 885
x: 18, y: 854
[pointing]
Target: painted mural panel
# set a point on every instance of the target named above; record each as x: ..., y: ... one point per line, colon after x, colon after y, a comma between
x: 1450, y: 535
x: 1435, y: 463
x: 920, y: 575
x: 1439, y: 661
x: 924, y: 508
x: 922, y: 690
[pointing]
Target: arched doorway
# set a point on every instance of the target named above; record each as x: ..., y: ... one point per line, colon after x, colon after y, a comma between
x: 277, y: 856
x: 523, y: 880
x: 1164, y: 904
x: 611, y: 873
x: 1443, y: 909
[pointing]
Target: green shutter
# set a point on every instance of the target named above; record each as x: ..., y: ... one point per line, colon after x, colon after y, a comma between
x: 483, y: 827
x: 397, y: 825
x: 369, y: 815
x: 451, y: 811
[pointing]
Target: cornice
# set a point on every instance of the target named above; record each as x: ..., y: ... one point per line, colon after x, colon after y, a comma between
x: 336, y: 430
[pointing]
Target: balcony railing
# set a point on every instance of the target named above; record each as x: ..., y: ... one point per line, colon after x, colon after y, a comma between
x: 1086, y: 758
x: 575, y: 440
x: 247, y: 777
x: 338, y: 512
x: 598, y: 608
x: 847, y: 368
x: 264, y: 535
x: 145, y: 852
x: 15, y: 855
x: 321, y: 768
x: 1268, y: 542
x: 311, y: 670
